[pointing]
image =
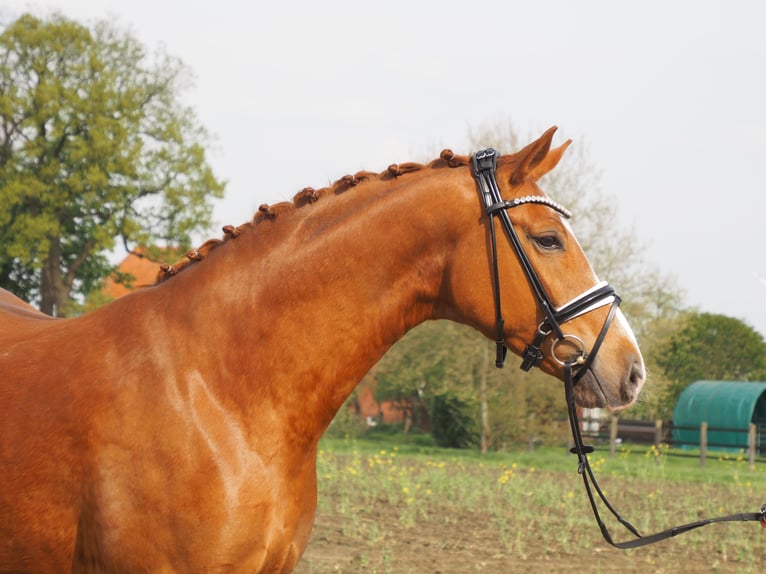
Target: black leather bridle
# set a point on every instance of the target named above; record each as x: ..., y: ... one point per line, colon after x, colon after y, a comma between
x: 577, y: 363
x: 484, y: 166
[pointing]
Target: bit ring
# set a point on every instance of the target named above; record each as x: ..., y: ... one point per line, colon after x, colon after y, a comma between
x: 572, y: 340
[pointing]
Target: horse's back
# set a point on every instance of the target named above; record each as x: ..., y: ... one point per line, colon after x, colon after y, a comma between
x: 19, y: 321
x: 9, y: 303
x: 16, y: 314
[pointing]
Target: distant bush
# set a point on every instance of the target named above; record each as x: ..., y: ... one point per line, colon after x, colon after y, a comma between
x: 451, y: 423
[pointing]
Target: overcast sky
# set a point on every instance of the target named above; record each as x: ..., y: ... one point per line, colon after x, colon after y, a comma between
x: 669, y: 96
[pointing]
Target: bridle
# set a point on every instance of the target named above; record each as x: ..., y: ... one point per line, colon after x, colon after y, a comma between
x: 484, y: 167
x: 577, y: 363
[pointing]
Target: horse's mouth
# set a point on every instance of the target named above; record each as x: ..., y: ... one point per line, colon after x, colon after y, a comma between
x: 591, y: 392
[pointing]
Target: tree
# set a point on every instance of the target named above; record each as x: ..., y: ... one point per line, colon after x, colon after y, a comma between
x: 658, y: 307
x: 449, y: 370
x: 428, y: 362
x: 707, y: 346
x: 451, y: 424
x: 96, y: 147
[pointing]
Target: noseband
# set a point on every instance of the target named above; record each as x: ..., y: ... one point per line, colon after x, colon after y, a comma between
x: 576, y: 364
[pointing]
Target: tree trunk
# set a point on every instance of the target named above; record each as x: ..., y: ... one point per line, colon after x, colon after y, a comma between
x: 407, y: 423
x: 53, y: 292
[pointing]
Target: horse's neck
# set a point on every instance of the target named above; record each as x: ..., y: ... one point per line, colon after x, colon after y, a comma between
x: 300, y: 308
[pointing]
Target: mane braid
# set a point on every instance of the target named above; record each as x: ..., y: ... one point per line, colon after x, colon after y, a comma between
x: 307, y: 196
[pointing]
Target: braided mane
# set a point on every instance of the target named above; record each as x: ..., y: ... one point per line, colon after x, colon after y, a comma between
x: 306, y: 196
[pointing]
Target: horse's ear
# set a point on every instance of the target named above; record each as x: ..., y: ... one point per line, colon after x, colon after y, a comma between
x: 551, y: 160
x: 532, y: 156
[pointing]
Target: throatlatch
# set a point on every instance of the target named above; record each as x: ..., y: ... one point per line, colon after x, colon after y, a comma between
x: 484, y: 167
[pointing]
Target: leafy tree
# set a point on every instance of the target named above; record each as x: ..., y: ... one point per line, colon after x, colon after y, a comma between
x: 657, y: 309
x: 443, y: 359
x: 707, y: 346
x: 95, y: 148
x: 425, y: 363
x: 451, y: 424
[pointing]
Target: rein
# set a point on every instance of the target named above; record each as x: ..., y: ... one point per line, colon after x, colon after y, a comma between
x: 575, y: 365
x: 591, y: 484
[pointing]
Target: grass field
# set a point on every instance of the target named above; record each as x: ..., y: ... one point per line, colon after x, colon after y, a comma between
x: 387, y: 507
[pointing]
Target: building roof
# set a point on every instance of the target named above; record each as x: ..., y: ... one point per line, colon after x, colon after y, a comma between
x: 143, y: 270
x: 730, y: 405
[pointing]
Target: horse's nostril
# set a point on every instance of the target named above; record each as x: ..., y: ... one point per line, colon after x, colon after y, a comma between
x: 637, y: 375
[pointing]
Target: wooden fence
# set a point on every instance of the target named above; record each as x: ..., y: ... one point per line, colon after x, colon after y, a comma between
x: 660, y: 434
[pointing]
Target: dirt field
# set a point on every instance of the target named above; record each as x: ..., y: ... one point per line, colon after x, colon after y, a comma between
x: 454, y: 541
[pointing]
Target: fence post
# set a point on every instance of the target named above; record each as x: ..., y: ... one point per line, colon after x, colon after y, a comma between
x: 657, y: 439
x: 751, y: 444
x: 658, y: 433
x: 612, y: 435
x: 703, y: 443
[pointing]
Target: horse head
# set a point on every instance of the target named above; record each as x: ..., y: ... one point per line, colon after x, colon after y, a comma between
x: 535, y: 291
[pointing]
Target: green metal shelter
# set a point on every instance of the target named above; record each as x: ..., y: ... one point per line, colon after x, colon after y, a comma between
x: 728, y: 408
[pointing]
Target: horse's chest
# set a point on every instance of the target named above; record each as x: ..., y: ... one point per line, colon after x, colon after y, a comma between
x: 214, y: 532
x: 195, y: 516
x: 206, y: 489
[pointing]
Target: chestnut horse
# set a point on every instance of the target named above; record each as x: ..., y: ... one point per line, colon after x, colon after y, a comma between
x: 176, y: 429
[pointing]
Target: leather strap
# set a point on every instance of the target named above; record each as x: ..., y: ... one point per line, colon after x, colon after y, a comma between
x: 591, y: 485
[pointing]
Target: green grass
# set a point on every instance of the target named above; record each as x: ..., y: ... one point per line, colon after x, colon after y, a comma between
x: 629, y: 461
x: 368, y: 484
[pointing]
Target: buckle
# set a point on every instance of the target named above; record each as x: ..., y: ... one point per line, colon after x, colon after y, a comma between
x: 532, y: 356
x: 484, y: 160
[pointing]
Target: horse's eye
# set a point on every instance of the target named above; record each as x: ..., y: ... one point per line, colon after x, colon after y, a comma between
x: 549, y: 242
